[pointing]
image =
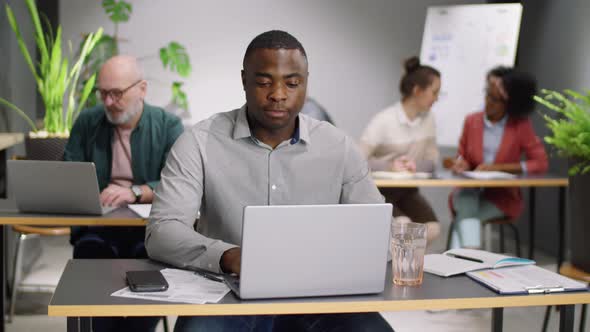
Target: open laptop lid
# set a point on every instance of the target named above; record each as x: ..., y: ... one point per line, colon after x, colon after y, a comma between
x: 314, y: 250
x: 54, y: 186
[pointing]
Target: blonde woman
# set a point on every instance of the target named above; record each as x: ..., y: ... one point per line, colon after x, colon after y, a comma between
x: 402, y: 138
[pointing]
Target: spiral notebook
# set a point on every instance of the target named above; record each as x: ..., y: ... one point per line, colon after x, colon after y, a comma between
x: 529, y: 279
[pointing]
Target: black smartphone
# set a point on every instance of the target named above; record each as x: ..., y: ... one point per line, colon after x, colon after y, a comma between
x: 146, y: 281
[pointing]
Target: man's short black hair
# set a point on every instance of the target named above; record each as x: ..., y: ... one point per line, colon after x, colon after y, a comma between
x: 274, y: 39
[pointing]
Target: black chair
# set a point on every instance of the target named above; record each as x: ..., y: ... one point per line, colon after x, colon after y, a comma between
x: 501, y: 222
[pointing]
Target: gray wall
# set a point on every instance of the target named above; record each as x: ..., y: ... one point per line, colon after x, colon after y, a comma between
x: 554, y: 46
x: 355, y: 47
x: 16, y: 82
x: 18, y: 86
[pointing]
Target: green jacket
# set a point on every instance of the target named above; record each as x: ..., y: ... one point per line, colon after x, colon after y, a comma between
x: 91, y: 140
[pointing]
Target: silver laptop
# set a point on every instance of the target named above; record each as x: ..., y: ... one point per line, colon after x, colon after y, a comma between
x: 55, y: 187
x: 313, y: 250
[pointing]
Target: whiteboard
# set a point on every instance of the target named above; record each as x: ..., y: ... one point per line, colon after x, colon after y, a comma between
x: 464, y: 42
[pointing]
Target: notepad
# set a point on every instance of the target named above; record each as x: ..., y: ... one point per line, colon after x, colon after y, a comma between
x: 401, y: 175
x: 488, y: 175
x: 526, y: 280
x: 142, y: 210
x: 457, y: 261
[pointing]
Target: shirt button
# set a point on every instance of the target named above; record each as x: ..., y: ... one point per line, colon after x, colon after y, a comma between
x: 273, y: 187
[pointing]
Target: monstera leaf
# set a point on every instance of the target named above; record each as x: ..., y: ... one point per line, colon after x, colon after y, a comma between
x: 178, y: 96
x: 176, y: 58
x: 118, y: 11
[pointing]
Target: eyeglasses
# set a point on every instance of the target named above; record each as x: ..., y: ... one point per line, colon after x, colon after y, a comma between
x: 116, y: 94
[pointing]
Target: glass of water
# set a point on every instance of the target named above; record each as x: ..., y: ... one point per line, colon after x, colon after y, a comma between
x: 408, y: 244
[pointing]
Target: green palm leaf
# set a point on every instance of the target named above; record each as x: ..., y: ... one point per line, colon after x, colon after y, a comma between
x: 118, y: 11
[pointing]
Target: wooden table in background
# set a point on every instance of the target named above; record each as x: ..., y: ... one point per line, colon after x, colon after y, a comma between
x: 85, y: 287
x: 118, y: 217
x: 448, y: 179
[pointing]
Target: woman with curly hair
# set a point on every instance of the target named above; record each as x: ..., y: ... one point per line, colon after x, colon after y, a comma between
x: 495, y: 140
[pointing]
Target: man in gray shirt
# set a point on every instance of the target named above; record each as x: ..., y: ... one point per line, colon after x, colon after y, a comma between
x: 264, y: 153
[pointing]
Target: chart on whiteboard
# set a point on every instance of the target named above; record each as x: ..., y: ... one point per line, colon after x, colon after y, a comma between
x: 464, y: 43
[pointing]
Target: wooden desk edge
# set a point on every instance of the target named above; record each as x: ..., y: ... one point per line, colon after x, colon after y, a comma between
x: 320, y: 307
x: 8, y: 140
x: 73, y: 221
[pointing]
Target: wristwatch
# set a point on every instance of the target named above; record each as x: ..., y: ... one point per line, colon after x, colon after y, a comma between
x: 137, y: 192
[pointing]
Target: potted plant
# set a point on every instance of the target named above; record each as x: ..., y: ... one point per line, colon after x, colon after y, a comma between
x: 56, y: 81
x: 570, y: 136
x: 173, y: 57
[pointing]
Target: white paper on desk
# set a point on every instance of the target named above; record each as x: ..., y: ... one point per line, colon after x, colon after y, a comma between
x: 183, y: 286
x: 142, y: 210
x: 400, y: 175
x: 488, y: 175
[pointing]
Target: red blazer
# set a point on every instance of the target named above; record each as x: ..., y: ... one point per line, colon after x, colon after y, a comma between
x: 518, y: 138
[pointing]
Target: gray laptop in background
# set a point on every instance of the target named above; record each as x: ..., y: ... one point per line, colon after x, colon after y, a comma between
x: 313, y: 250
x: 63, y: 187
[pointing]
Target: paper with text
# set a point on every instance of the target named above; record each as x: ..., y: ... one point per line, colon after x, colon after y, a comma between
x: 183, y: 286
x: 521, y: 279
x: 488, y: 175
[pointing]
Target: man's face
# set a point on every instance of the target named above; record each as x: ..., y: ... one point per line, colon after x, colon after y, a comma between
x: 121, y: 94
x: 275, y: 82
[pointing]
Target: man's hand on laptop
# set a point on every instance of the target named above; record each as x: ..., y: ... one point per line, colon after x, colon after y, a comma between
x: 230, y: 261
x: 115, y: 195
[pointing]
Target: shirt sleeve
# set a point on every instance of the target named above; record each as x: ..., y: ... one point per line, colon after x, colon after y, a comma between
x: 358, y: 187
x: 74, y: 149
x: 170, y: 234
x: 464, y: 142
x: 536, y: 157
x: 174, y: 129
x: 371, y: 138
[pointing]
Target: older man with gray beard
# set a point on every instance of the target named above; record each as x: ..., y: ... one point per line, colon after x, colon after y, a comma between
x: 128, y: 141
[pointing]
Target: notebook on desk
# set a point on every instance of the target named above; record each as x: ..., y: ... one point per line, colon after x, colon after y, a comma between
x: 64, y: 187
x: 313, y: 250
x: 457, y: 261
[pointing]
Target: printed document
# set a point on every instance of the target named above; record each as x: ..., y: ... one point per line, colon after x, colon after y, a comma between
x: 529, y: 279
x: 488, y: 175
x: 183, y: 286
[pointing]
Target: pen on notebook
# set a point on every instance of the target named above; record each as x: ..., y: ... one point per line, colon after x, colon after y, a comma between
x: 465, y: 258
x: 208, y: 276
